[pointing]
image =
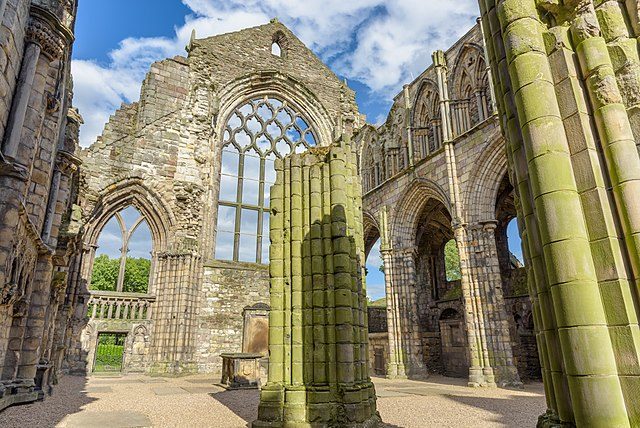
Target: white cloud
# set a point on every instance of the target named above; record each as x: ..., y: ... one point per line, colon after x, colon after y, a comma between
x: 380, y: 43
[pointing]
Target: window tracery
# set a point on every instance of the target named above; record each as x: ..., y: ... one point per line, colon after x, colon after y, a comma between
x: 256, y: 134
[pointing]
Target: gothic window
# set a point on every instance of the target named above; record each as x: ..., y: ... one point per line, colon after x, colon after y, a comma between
x: 256, y: 133
x: 427, y: 129
x: 471, y: 97
x: 279, y: 44
x: 276, y: 49
x: 123, y: 257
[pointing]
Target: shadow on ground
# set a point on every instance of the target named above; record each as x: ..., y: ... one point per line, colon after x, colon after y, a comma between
x: 506, y: 410
x: 69, y: 396
x: 242, y: 402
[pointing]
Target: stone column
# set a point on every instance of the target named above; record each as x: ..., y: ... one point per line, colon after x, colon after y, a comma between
x: 484, y: 271
x: 408, y: 113
x: 173, y: 343
x: 21, y: 100
x: 35, y: 328
x: 396, y: 367
x: 318, y: 338
x: 558, y: 170
x: 406, y: 305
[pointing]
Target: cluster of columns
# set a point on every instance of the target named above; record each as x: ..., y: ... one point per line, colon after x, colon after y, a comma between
x: 318, y: 336
x: 566, y: 78
x: 37, y: 153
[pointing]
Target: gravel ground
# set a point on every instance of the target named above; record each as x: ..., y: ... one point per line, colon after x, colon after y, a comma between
x: 196, y: 402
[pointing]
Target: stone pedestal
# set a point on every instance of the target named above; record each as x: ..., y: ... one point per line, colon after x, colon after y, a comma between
x: 241, y: 370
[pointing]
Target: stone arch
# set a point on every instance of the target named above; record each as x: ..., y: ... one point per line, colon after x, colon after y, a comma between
x: 371, y: 231
x: 274, y: 83
x: 280, y: 41
x: 469, y: 89
x: 425, y: 120
x: 371, y: 162
x: 408, y: 210
x: 476, y: 73
x: 427, y: 87
x: 483, y: 186
x: 134, y: 192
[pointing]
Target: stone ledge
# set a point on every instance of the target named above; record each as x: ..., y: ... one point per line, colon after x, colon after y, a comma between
x: 19, y: 398
x: 228, y: 264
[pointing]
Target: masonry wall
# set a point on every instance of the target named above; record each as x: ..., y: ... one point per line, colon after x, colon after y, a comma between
x: 434, y: 172
x: 38, y: 167
x: 227, y: 289
x: 162, y: 155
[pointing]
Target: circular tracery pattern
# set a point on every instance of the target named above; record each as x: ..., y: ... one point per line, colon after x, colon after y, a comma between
x: 256, y: 133
x: 269, y: 126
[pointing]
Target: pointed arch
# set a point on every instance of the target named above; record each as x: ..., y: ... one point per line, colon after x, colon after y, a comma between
x: 470, y: 89
x: 426, y: 123
x: 131, y: 192
x: 407, y: 212
x: 483, y: 185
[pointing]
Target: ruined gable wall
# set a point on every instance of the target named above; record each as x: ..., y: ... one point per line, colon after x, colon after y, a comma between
x: 170, y: 141
x: 143, y: 140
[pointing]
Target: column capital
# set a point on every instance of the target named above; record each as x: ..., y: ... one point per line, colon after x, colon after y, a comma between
x: 43, y: 32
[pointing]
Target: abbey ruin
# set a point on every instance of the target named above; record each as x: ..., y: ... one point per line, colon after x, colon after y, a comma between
x: 242, y: 194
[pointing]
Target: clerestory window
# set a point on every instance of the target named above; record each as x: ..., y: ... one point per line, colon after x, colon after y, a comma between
x: 256, y: 133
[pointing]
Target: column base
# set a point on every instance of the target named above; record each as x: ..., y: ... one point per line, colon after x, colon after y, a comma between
x: 481, y: 377
x: 507, y: 377
x: 550, y: 419
x: 317, y: 406
x: 396, y: 371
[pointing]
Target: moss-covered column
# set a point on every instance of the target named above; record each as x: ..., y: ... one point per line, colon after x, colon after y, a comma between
x: 540, y: 154
x: 318, y: 342
x: 612, y: 122
x: 552, y: 365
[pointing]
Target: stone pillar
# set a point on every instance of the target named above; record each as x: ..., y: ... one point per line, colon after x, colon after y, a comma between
x: 408, y: 113
x: 173, y: 343
x: 318, y: 338
x: 396, y: 361
x: 482, y: 267
x: 35, y: 328
x: 404, y: 278
x: 563, y: 156
x: 21, y: 100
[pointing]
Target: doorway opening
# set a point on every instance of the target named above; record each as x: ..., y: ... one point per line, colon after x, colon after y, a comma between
x: 109, y: 352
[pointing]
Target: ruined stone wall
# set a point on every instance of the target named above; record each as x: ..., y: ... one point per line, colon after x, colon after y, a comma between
x: 38, y: 166
x: 12, y: 34
x: 435, y: 168
x: 377, y: 318
x: 227, y: 289
x: 162, y: 155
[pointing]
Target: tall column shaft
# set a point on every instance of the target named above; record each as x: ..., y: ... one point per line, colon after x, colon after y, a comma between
x: 318, y: 342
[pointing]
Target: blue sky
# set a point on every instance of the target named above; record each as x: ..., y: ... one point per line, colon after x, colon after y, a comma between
x: 377, y: 45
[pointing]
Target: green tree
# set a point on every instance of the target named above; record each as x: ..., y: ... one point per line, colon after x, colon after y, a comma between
x: 452, y: 261
x: 136, y: 275
x: 104, y: 276
x: 105, y: 273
